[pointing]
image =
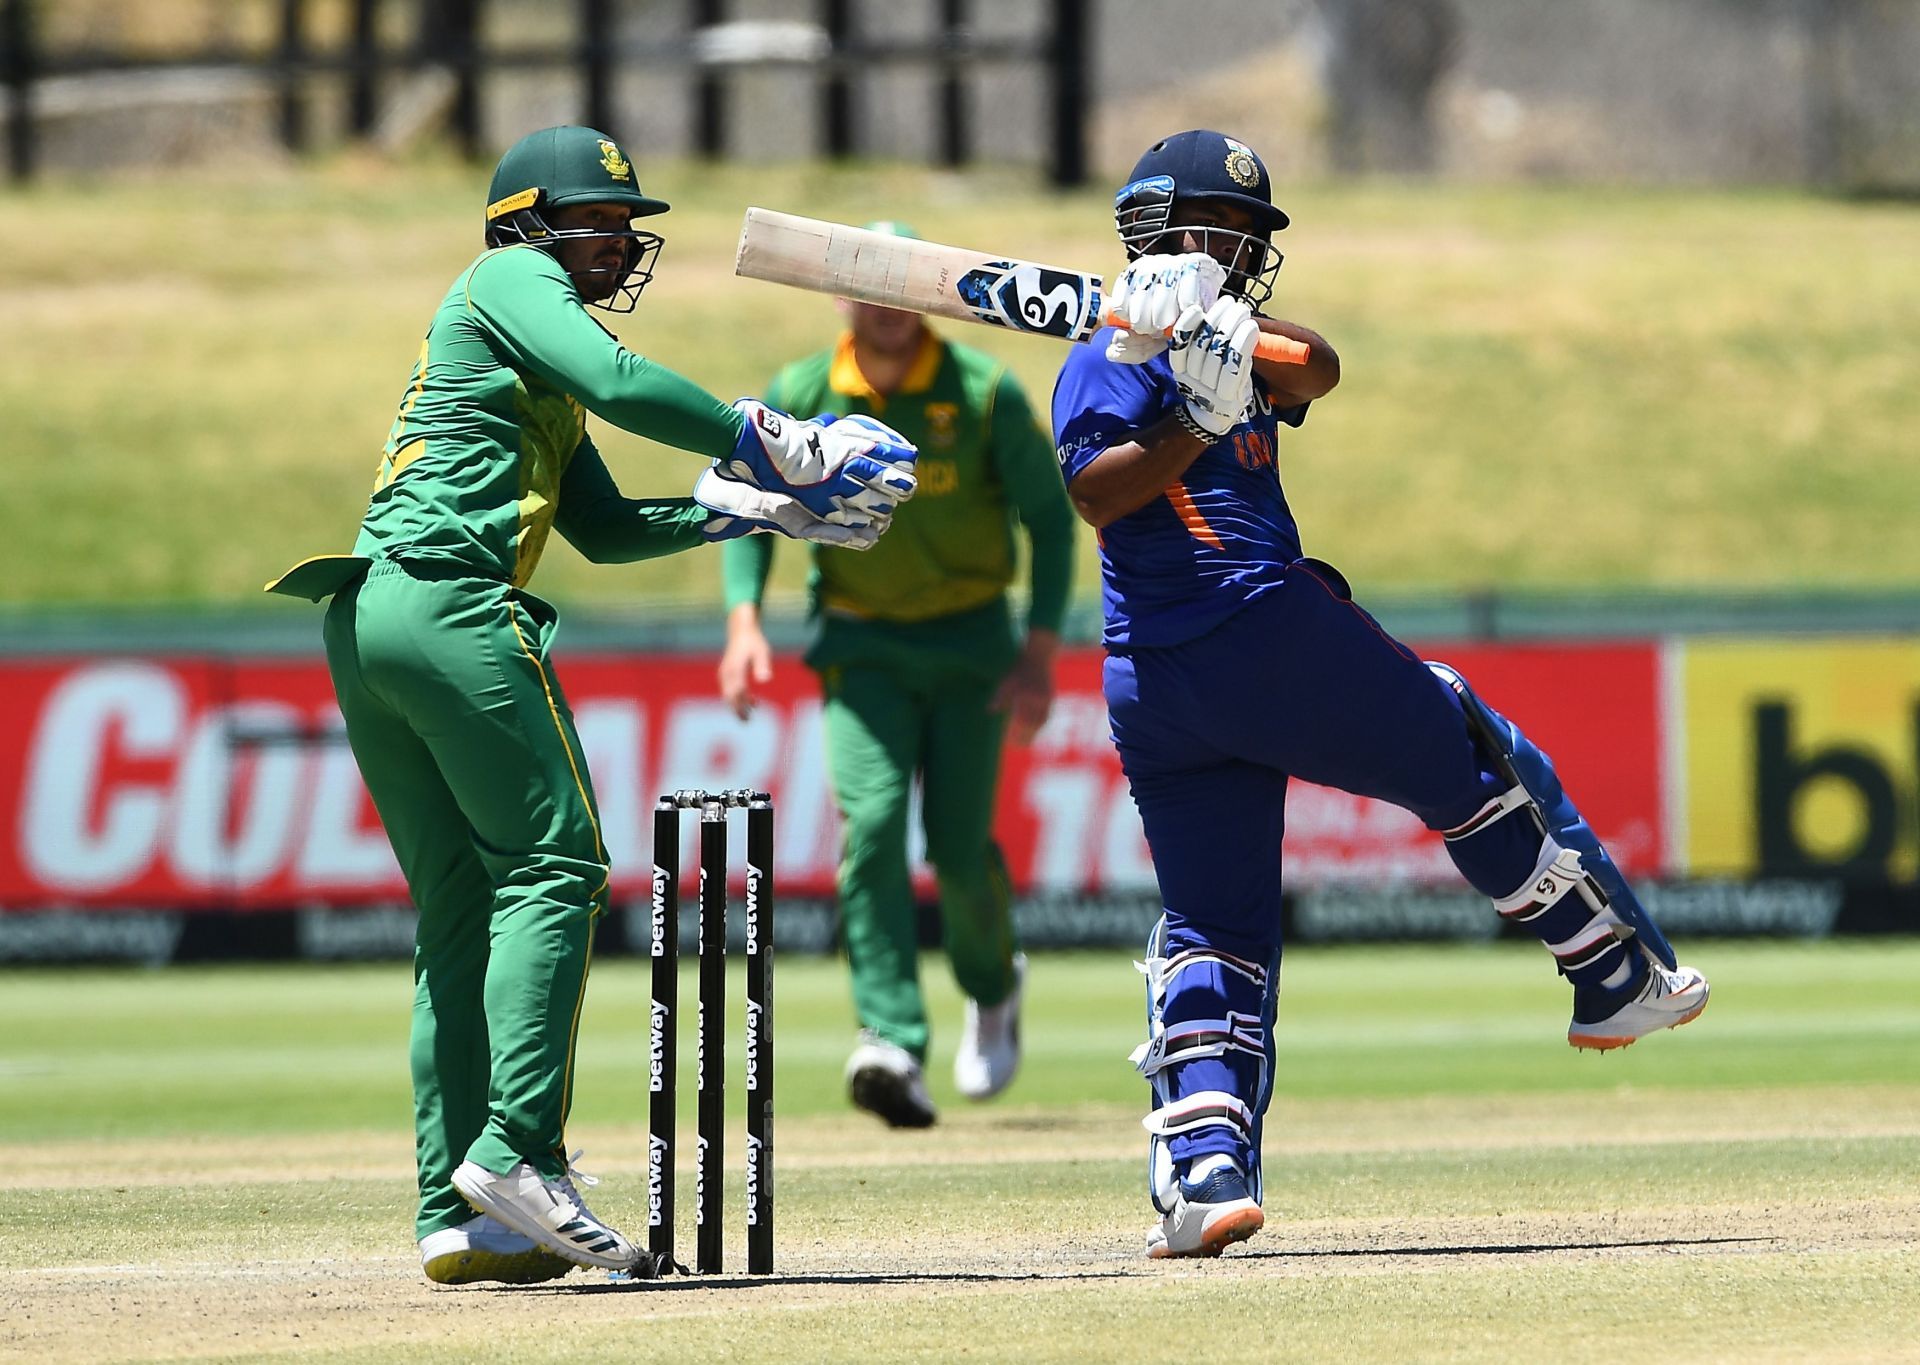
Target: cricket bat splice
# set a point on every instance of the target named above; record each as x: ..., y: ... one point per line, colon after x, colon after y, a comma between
x: 945, y: 281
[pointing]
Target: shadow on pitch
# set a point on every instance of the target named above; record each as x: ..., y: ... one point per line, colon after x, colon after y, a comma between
x: 1509, y: 1249
x: 852, y: 1279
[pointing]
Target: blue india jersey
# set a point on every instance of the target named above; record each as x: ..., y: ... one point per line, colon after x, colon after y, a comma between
x: 1179, y: 566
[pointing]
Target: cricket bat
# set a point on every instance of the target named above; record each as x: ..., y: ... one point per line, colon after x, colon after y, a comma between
x: 927, y: 277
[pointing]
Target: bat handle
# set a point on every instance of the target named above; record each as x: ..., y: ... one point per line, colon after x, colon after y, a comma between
x: 1281, y: 350
x: 1271, y: 345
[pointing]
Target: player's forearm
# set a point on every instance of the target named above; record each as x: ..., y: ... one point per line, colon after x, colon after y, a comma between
x: 1125, y: 478
x: 1051, y: 573
x: 627, y: 530
x: 525, y: 302
x: 650, y: 400
x: 1042, y: 645
x: 1290, y: 384
x: 744, y: 566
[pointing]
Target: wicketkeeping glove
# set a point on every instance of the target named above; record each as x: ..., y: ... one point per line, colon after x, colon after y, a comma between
x: 1211, y: 354
x: 740, y: 509
x: 851, y: 470
x: 1150, y: 295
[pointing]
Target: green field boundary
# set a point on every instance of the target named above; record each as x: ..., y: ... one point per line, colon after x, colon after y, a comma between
x: 280, y: 628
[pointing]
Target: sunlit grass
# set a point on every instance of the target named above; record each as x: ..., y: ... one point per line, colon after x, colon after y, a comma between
x: 1543, y: 388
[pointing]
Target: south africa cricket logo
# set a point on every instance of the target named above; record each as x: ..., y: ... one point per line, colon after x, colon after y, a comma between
x: 1031, y: 298
x: 617, y: 165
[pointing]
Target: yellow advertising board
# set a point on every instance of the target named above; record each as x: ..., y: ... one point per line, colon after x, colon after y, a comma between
x: 1798, y: 757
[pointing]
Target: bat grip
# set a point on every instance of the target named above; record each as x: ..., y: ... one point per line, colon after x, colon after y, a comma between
x: 1282, y: 350
x: 1271, y: 345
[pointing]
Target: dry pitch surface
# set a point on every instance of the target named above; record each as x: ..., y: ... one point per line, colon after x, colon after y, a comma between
x: 1753, y: 1221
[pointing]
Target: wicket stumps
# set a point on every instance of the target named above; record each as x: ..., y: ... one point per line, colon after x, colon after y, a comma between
x: 662, y: 1031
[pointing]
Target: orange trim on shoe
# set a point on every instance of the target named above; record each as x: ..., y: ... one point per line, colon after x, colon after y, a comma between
x: 1594, y: 1043
x: 1232, y: 1227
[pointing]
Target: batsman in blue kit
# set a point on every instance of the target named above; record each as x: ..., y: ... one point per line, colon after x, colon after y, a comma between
x: 1235, y: 662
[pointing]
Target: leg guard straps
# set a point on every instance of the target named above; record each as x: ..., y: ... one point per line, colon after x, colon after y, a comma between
x: 1160, y: 971
x: 1557, y: 873
x: 1512, y: 799
x: 1197, y: 1038
x: 1205, y: 1058
x: 1563, y: 907
x: 1533, y: 786
x: 1223, y: 978
x: 1202, y: 1109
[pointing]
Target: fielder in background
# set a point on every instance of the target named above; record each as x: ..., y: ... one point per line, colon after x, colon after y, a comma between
x: 439, y: 658
x: 1235, y: 662
x: 922, y: 675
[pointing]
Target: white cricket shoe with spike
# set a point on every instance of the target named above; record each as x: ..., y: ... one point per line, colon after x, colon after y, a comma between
x: 1211, y: 1211
x: 550, y: 1212
x: 989, y: 1054
x: 1667, y: 999
x: 484, y: 1248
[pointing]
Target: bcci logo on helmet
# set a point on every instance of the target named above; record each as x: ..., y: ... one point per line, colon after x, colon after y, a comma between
x: 1242, y: 164
x: 617, y: 165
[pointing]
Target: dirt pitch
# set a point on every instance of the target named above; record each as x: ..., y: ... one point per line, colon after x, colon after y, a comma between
x: 1046, y: 1265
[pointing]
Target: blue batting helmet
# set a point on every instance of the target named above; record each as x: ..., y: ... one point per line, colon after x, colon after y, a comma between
x: 1206, y: 166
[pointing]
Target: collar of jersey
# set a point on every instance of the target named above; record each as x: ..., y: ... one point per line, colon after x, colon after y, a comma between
x: 845, y: 376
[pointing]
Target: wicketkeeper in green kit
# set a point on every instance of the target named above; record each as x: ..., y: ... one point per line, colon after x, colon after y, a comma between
x: 922, y: 673
x: 439, y: 659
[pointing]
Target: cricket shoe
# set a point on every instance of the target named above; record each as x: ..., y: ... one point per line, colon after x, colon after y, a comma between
x: 1666, y: 999
x: 1211, y: 1211
x: 550, y: 1212
x: 990, y: 1043
x: 484, y: 1248
x: 885, y: 1079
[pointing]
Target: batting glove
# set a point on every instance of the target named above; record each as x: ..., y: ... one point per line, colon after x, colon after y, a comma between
x: 1151, y: 294
x: 851, y: 470
x: 740, y: 509
x: 1211, y: 354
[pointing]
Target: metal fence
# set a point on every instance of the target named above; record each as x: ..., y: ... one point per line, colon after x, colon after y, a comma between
x: 1824, y: 93
x: 386, y: 65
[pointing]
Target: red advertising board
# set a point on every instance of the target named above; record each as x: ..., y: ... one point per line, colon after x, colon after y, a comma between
x: 223, y: 781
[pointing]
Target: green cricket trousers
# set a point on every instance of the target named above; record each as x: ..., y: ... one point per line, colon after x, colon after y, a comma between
x: 907, y: 701
x: 469, y: 751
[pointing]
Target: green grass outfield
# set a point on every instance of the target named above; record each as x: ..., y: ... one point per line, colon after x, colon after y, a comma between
x: 215, y: 1164
x: 1543, y: 387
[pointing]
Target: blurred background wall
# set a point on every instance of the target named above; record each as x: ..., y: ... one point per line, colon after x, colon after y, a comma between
x: 1818, y: 92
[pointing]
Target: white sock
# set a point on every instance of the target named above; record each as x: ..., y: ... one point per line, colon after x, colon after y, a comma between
x: 1204, y: 1166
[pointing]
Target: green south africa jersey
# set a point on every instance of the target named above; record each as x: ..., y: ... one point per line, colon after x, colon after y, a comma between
x: 489, y: 451
x: 984, y: 466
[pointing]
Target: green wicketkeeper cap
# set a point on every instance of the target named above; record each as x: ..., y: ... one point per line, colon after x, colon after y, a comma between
x: 566, y: 165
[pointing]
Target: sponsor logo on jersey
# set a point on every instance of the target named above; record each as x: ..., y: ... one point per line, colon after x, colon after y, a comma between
x: 937, y: 477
